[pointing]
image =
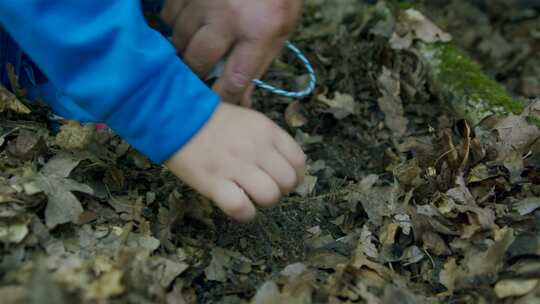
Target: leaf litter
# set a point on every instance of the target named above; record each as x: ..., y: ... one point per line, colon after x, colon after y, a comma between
x: 403, y: 201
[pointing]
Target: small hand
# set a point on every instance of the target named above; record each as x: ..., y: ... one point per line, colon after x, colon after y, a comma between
x: 251, y: 33
x: 236, y: 166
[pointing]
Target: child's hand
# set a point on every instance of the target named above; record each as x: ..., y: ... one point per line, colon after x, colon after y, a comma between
x: 254, y: 32
x: 240, y: 156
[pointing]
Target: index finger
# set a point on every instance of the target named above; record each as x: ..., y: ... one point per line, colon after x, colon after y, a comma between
x: 247, y: 61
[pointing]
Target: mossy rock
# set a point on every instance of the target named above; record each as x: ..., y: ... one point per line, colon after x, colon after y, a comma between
x: 468, y: 90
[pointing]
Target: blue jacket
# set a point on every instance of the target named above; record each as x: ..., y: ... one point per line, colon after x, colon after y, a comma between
x: 111, y: 66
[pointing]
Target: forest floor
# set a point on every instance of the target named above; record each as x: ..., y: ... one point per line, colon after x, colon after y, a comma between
x: 403, y: 201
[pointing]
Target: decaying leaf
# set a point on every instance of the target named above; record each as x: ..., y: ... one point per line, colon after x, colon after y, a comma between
x: 8, y: 101
x: 167, y: 270
x: 527, y: 205
x: 377, y: 202
x: 222, y: 261
x: 74, y: 136
x: 391, y: 104
x: 27, y: 145
x: 62, y: 206
x: 490, y: 261
x: 341, y: 106
x: 107, y: 286
x: 366, y: 243
x: 307, y: 187
x: 517, y: 133
x: 514, y: 288
x: 293, y: 115
x: 268, y: 293
x: 13, y: 294
x: 423, y: 28
x: 448, y: 275
x: 13, y: 230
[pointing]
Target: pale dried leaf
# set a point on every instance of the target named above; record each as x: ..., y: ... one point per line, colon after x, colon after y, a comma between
x: 294, y: 117
x: 107, y: 286
x: 527, y: 205
x: 391, y: 104
x: 341, y: 106
x: 268, y: 293
x: 423, y: 28
x: 307, y: 186
x: 60, y: 165
x: 449, y: 274
x: 514, y: 288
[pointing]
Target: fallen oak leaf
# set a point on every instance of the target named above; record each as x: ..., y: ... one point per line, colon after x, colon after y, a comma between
x: 222, y: 261
x: 13, y: 230
x: 514, y: 288
x: 105, y: 287
x: 8, y: 101
x: 491, y: 261
x: 166, y: 270
x: 62, y: 205
x: 423, y: 28
x: 391, y: 104
x: 341, y: 106
x: 516, y: 132
x: 448, y: 276
x: 294, y: 116
x: 527, y: 205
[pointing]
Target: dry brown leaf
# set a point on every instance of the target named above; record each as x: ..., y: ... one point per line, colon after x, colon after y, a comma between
x: 105, y: 287
x: 391, y: 104
x: 490, y: 261
x: 62, y: 206
x: 13, y: 230
x: 423, y: 28
x: 514, y: 288
x: 449, y: 274
x: 293, y: 115
x: 74, y: 136
x: 8, y: 101
x: 268, y: 293
x: 517, y: 133
x: 341, y: 106
x: 28, y: 145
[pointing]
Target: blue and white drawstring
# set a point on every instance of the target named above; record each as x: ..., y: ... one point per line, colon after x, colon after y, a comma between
x: 299, y: 94
x: 219, y: 69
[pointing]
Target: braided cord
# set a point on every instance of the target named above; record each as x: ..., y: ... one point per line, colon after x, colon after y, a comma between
x: 299, y: 94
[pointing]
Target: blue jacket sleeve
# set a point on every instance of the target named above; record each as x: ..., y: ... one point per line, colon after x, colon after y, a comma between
x: 103, y: 55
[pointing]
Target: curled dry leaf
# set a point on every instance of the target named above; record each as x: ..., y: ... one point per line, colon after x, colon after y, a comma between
x: 62, y: 206
x: 341, y: 106
x: 514, y: 288
x: 74, y: 136
x: 527, y: 205
x: 423, y: 28
x: 294, y: 116
x: 8, y: 101
x: 391, y: 104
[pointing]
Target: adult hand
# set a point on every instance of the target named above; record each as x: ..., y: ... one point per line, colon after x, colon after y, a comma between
x: 250, y: 32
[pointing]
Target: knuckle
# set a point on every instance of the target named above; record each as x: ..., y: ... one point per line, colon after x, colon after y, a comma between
x: 237, y: 207
x: 290, y: 184
x: 236, y: 84
x: 298, y: 160
x: 284, y: 17
x: 231, y: 201
x: 269, y: 197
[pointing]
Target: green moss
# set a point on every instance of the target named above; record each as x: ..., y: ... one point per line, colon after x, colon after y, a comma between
x: 534, y: 120
x: 472, y: 92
